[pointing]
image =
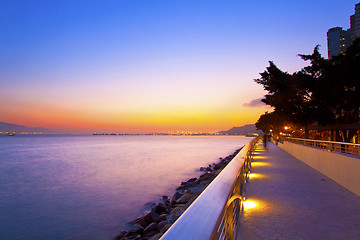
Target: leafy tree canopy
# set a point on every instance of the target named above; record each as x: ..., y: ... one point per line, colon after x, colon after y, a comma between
x: 325, y: 92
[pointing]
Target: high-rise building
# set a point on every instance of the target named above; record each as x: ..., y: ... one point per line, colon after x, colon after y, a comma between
x: 355, y: 23
x: 338, y: 41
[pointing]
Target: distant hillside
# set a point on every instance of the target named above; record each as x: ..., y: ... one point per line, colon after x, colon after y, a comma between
x: 9, y: 127
x: 250, y: 128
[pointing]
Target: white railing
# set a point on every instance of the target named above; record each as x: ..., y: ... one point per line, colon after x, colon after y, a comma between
x: 215, y: 214
x: 341, y: 147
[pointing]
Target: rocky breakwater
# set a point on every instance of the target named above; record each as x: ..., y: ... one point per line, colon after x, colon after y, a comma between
x: 153, y: 224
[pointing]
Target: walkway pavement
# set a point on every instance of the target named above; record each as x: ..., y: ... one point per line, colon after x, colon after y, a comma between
x: 294, y: 201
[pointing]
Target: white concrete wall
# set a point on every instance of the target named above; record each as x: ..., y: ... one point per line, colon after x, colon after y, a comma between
x: 343, y: 169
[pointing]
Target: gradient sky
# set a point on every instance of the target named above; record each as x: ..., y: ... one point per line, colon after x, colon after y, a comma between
x: 151, y: 65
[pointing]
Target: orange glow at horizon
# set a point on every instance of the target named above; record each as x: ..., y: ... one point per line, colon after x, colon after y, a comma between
x: 112, y: 118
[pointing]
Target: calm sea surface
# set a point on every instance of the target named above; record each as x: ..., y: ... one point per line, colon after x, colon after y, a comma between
x: 88, y: 187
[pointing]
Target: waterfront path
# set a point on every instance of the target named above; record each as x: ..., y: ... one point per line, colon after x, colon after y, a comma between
x: 294, y: 201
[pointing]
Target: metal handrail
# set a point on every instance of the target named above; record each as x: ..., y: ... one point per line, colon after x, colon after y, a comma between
x: 341, y: 147
x: 215, y: 214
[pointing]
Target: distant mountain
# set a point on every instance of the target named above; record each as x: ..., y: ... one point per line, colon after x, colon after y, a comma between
x: 246, y: 129
x: 9, y: 127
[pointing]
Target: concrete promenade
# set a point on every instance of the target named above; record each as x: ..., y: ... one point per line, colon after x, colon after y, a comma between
x: 294, y: 201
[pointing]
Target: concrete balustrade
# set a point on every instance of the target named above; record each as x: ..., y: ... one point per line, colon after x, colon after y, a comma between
x: 342, y: 168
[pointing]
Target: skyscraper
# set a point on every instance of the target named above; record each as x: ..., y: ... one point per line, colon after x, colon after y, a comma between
x: 355, y: 23
x: 338, y: 41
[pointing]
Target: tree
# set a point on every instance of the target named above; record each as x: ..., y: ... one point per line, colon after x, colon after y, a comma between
x: 325, y: 92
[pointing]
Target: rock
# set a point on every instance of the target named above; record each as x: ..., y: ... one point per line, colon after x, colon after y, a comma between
x: 176, y: 196
x: 203, y: 169
x: 166, y: 227
x: 168, y: 206
x: 156, y: 237
x: 180, y: 189
x: 121, y: 235
x: 171, y: 218
x: 135, y: 237
x: 150, y: 234
x: 136, y: 229
x: 148, y: 218
x: 190, y: 183
x: 192, y: 180
x: 190, y: 202
x: 217, y: 172
x: 161, y: 218
x: 185, y: 198
x: 218, y: 166
x: 161, y: 225
x: 151, y: 228
x: 198, y: 189
x: 160, y: 208
x: 176, y: 211
x: 164, y: 198
x: 206, y: 176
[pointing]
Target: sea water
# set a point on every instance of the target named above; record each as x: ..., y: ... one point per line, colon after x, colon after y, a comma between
x: 89, y: 187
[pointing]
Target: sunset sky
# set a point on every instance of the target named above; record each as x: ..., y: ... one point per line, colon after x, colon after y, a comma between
x: 151, y: 65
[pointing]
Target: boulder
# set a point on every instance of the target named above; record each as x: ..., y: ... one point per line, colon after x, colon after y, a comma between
x: 148, y: 218
x: 161, y: 218
x: 185, y: 198
x: 161, y: 225
x: 168, y: 206
x: 156, y: 237
x: 136, y: 229
x: 135, y: 237
x: 180, y: 189
x: 176, y: 196
x: 150, y: 234
x: 206, y: 176
x: 167, y: 226
x: 153, y: 227
x: 121, y: 235
x: 171, y: 218
x: 198, y: 189
x: 192, y: 180
x: 219, y: 166
x: 177, y: 211
x: 159, y: 209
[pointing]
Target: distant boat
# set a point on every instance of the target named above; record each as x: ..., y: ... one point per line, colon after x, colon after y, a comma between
x: 10, y: 134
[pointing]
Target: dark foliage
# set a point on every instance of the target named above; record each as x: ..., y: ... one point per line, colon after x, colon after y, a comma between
x: 325, y: 92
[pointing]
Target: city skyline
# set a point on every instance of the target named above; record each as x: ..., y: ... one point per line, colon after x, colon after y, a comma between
x: 338, y: 39
x: 136, y: 66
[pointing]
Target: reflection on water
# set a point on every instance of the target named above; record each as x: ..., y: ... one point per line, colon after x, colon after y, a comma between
x: 87, y: 187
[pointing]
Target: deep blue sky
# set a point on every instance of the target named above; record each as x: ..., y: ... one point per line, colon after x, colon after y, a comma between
x: 132, y: 60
